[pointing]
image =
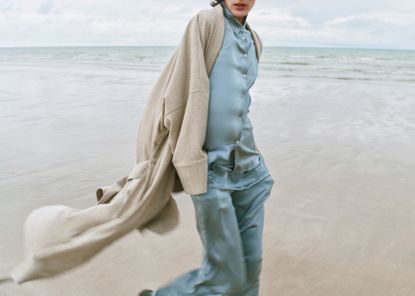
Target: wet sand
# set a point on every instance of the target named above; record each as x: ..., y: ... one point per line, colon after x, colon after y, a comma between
x: 340, y: 220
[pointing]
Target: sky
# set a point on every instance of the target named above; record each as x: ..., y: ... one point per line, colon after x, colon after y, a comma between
x: 320, y: 23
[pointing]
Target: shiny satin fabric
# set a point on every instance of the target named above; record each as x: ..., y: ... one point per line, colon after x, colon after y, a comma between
x: 230, y: 221
x: 229, y: 135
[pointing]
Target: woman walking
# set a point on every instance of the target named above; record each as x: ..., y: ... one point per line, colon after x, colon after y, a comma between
x: 230, y: 214
x: 194, y: 136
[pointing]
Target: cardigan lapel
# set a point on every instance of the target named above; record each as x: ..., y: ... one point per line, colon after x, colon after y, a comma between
x: 215, y: 43
x: 256, y: 41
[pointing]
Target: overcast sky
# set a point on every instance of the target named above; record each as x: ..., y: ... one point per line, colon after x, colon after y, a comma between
x: 351, y: 23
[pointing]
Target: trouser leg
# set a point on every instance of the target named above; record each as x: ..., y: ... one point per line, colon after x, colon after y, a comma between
x: 223, y: 269
x: 249, y: 209
x: 230, y: 225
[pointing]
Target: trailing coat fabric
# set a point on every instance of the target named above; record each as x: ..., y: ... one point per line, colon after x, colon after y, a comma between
x: 169, y: 159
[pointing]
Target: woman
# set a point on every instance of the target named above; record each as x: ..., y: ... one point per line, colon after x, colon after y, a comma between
x: 230, y: 214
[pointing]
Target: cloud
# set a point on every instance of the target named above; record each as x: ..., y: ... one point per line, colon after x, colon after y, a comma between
x: 92, y: 22
x: 46, y: 7
x: 5, y: 6
x: 381, y: 23
x: 381, y: 27
x: 373, y: 19
x: 278, y: 17
x: 390, y: 29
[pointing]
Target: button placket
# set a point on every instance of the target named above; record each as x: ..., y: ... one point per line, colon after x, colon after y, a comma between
x: 243, y: 62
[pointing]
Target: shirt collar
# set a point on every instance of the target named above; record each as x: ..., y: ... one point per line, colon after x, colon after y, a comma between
x: 234, y: 22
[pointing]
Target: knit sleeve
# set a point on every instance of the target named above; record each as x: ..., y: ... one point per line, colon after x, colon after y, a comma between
x: 186, y: 108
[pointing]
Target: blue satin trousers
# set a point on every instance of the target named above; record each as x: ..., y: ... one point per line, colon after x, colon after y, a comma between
x: 229, y: 220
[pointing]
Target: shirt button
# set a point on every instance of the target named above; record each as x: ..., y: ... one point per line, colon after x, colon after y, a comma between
x: 245, y: 55
x: 244, y: 75
x: 243, y: 37
x: 237, y: 142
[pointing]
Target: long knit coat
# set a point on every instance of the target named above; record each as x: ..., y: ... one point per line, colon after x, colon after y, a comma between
x: 169, y: 159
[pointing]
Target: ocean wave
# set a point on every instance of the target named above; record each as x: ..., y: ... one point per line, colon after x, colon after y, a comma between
x: 295, y: 63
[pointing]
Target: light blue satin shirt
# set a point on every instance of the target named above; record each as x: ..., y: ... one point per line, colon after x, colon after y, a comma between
x: 229, y: 138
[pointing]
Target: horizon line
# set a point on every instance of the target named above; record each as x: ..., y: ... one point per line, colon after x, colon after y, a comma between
x: 269, y: 46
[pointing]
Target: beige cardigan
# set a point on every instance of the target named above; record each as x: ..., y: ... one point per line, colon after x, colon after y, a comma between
x: 169, y: 159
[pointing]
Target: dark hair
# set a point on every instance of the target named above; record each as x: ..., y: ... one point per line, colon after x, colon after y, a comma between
x: 216, y: 2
